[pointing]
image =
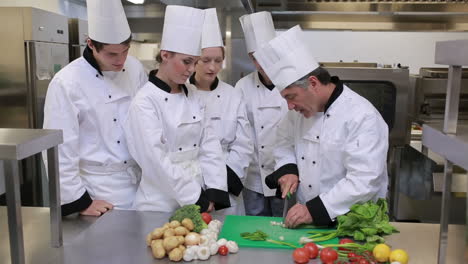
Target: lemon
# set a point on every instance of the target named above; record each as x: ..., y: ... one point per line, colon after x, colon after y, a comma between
x: 381, y: 252
x: 399, y: 255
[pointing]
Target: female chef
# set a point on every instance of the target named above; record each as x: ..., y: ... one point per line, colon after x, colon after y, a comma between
x: 167, y: 131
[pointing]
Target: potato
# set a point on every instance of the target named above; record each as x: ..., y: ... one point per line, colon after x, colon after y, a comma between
x: 180, y: 231
x: 157, y: 242
x: 157, y: 233
x: 158, y: 252
x: 170, y: 243
x: 176, y: 255
x: 169, y: 232
x: 188, y: 223
x: 181, y: 240
x: 174, y: 224
x: 166, y: 226
x: 182, y: 248
x: 149, y: 239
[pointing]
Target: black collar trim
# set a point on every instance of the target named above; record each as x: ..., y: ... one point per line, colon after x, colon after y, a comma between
x: 162, y: 85
x: 213, y: 85
x: 88, y: 56
x: 336, y: 92
x: 268, y: 86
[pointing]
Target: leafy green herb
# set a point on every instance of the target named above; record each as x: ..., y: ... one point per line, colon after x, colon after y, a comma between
x: 364, y: 222
x: 259, y: 235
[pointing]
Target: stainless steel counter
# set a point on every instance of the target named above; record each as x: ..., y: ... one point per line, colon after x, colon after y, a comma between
x: 119, y: 237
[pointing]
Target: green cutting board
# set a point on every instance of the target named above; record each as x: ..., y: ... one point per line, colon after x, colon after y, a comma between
x: 234, y: 225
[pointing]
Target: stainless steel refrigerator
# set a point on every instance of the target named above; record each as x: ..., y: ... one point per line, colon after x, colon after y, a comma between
x: 34, y: 46
x: 78, y: 32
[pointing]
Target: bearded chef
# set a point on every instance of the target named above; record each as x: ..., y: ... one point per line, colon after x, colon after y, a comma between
x: 333, y: 147
x: 88, y: 99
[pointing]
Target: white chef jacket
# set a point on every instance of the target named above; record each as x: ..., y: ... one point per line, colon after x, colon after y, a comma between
x: 175, y: 146
x: 340, y: 154
x: 225, y: 107
x: 89, y: 108
x: 265, y: 109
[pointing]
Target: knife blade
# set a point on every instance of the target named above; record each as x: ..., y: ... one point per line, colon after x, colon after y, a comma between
x: 285, y: 209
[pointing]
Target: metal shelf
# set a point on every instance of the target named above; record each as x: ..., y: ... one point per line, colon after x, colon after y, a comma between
x: 451, y: 141
x: 452, y: 147
x: 18, y: 144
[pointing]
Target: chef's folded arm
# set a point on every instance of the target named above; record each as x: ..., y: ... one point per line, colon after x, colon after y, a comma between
x: 61, y: 113
x: 213, y: 167
x: 240, y: 153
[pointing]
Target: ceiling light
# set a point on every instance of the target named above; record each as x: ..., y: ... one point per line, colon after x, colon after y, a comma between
x: 136, y: 1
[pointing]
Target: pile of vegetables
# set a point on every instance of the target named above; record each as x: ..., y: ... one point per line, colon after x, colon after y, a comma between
x: 181, y: 239
x: 366, y: 223
x: 193, y: 213
x: 347, y: 252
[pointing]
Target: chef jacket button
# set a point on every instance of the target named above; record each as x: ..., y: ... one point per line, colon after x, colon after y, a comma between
x: 193, y: 117
x: 310, y: 186
x: 194, y: 145
x: 219, y: 96
x: 313, y: 162
x: 262, y: 127
x: 258, y: 86
x: 123, y: 70
x: 115, y: 119
x: 125, y: 162
x: 263, y: 146
x: 180, y: 149
x: 165, y: 99
x: 118, y: 141
x: 263, y: 166
x: 318, y: 137
x: 110, y: 96
x: 97, y: 75
x: 328, y: 115
x: 302, y: 158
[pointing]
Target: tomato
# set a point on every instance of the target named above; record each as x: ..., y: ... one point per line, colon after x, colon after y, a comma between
x: 223, y: 250
x: 206, y: 217
x: 345, y: 241
x: 313, y: 250
x: 363, y: 261
x: 353, y: 257
x: 301, y: 255
x: 328, y: 255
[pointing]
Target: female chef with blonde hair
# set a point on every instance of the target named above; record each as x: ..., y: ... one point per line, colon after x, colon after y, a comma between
x: 167, y: 131
x: 226, y: 110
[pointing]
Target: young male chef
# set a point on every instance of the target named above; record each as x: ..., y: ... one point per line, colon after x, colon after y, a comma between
x: 333, y: 147
x: 265, y: 108
x: 88, y: 99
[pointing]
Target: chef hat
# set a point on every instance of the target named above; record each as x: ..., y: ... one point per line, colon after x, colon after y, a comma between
x: 182, y: 30
x: 286, y: 58
x: 258, y: 29
x: 107, y: 22
x: 211, y: 36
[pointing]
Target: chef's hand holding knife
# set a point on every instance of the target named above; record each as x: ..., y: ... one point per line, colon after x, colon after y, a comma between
x: 298, y: 214
x: 288, y: 184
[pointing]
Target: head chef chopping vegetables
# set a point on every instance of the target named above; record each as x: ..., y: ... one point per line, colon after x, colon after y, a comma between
x: 332, y: 148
